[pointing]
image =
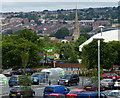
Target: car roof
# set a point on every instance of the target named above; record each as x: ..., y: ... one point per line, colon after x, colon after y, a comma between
x: 89, y: 93
x: 115, y: 91
x: 107, y: 79
x: 55, y: 86
x: 56, y: 94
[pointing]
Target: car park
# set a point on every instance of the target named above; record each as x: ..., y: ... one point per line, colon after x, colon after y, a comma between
x: 75, y: 92
x: 111, y: 75
x: 91, y: 94
x: 93, y: 87
x: 21, y: 91
x: 69, y: 80
x: 114, y: 94
x: 108, y: 83
x: 56, y: 95
x: 55, y: 89
x: 117, y: 84
x: 8, y: 72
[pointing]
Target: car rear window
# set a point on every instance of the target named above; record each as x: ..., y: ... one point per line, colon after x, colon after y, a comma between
x: 49, y: 89
x: 118, y: 80
x: 13, y: 78
x: 73, y: 92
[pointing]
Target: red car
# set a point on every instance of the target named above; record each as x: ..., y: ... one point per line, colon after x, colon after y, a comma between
x: 93, y: 87
x: 56, y: 95
x: 110, y: 75
x: 74, y: 93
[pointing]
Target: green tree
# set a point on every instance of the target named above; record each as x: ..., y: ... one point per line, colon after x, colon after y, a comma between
x: 61, y: 33
x: 14, y: 45
x: 109, y: 54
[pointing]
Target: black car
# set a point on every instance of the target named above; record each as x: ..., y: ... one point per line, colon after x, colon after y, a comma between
x: 69, y: 79
x: 26, y: 70
x: 21, y: 91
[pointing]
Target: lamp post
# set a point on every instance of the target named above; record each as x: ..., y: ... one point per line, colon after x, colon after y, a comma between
x: 44, y: 31
x: 98, y: 39
x: 101, y: 29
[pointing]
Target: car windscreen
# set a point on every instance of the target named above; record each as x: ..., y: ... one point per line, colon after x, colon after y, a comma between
x: 49, y: 89
x: 73, y: 92
x: 113, y: 94
x: 8, y: 70
x: 66, y: 77
x: 106, y: 81
x: 16, y: 88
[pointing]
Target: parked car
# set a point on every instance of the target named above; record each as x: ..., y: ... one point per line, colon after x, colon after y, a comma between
x: 117, y: 84
x: 75, y: 92
x: 93, y: 87
x: 56, y: 95
x: 26, y: 70
x: 114, y: 94
x: 108, y: 83
x: 110, y: 75
x: 69, y: 80
x: 14, y: 80
x: 55, y: 89
x: 91, y: 94
x: 20, y: 91
x: 8, y: 72
x: 39, y: 78
x: 3, y: 80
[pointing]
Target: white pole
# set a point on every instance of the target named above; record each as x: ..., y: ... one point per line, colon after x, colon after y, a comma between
x: 98, y: 68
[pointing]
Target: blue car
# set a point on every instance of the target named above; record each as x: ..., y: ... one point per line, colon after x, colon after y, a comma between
x: 13, y: 81
x: 55, y: 89
x: 91, y: 94
x: 39, y: 78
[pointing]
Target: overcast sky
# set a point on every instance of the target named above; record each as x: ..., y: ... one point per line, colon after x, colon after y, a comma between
x: 60, y: 0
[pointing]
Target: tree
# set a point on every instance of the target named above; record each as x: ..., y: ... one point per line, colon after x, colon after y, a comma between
x: 66, y: 55
x: 14, y: 46
x: 109, y: 54
x: 61, y: 33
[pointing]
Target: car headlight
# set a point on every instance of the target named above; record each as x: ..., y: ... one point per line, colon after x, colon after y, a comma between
x: 66, y: 80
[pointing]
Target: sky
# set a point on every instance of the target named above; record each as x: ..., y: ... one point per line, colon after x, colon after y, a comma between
x: 60, y: 0
x: 40, y: 5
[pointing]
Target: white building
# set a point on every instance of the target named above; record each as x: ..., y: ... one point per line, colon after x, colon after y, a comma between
x: 113, y: 35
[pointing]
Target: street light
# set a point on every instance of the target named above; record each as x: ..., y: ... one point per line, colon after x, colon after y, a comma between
x: 101, y: 28
x: 98, y: 39
x: 44, y: 31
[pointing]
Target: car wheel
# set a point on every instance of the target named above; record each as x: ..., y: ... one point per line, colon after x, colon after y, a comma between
x: 33, y: 94
x: 69, y: 84
x: 10, y: 85
x: 21, y: 96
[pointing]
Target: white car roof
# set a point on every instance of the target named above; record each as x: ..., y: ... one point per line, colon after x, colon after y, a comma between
x: 115, y: 91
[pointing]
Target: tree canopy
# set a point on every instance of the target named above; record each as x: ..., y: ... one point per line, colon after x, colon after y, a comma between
x: 109, y: 54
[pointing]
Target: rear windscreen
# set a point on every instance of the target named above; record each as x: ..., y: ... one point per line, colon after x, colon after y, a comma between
x: 49, y: 89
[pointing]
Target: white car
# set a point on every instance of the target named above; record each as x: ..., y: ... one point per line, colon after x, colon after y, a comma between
x: 114, y: 94
x: 117, y: 84
x: 8, y: 72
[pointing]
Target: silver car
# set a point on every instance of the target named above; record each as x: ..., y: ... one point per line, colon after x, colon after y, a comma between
x: 114, y: 94
x: 117, y: 84
x: 107, y: 83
